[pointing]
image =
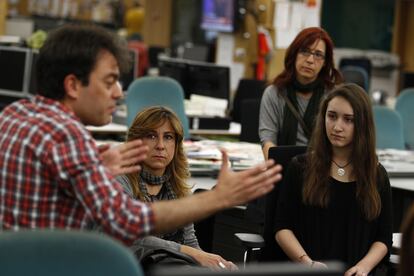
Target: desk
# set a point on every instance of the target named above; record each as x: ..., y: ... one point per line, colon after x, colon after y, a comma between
x: 111, y: 128
x: 119, y: 129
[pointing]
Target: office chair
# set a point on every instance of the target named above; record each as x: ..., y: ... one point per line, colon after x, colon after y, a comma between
x: 405, y: 107
x: 362, y: 62
x: 205, y: 229
x: 246, y: 89
x: 249, y: 120
x: 156, y: 91
x: 153, y: 53
x: 270, y: 250
x: 357, y: 75
x: 388, y: 128
x: 64, y: 253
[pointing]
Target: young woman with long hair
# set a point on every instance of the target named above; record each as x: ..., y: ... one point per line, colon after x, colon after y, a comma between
x: 335, y: 202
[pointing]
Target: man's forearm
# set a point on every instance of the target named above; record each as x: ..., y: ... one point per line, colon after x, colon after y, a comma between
x: 172, y: 214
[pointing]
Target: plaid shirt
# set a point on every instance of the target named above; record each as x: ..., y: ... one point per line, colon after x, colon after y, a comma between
x: 51, y: 176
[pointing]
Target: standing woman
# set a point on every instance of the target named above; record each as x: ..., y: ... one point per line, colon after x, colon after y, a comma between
x: 296, y: 92
x: 163, y: 177
x: 335, y: 202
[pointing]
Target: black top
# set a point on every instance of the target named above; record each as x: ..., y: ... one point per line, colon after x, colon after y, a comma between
x: 339, y: 231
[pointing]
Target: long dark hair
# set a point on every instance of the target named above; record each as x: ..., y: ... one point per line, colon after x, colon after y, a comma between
x: 328, y: 74
x: 363, y: 156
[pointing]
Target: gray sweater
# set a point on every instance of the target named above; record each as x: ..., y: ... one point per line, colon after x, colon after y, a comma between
x: 152, y: 242
x: 271, y: 116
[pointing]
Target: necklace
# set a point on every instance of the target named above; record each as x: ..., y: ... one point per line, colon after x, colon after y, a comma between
x: 341, y: 169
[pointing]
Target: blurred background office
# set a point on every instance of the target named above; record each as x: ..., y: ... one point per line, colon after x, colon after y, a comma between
x: 222, y: 54
x: 248, y: 36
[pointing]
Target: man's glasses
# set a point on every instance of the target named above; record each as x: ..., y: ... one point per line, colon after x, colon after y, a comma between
x: 317, y: 55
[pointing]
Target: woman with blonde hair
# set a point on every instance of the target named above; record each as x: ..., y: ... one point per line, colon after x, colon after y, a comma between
x: 163, y: 177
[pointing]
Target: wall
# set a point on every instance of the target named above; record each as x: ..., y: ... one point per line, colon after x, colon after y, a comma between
x: 403, y: 41
x: 157, y: 26
x: 365, y: 24
x: 3, y: 13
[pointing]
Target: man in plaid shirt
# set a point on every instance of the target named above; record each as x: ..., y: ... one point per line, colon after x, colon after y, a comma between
x: 52, y: 175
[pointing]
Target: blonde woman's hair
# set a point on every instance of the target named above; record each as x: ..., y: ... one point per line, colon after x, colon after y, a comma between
x: 146, y: 122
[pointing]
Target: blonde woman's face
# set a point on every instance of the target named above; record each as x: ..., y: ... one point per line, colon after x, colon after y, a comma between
x: 161, y: 143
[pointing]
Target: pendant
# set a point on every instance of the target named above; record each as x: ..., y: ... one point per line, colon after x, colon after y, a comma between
x: 341, y: 172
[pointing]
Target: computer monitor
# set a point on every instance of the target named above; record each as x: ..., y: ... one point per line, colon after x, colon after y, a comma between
x: 175, y: 69
x: 262, y: 269
x: 219, y: 15
x: 15, y: 71
x: 201, y: 78
x: 196, y: 53
x: 33, y: 79
x: 208, y: 79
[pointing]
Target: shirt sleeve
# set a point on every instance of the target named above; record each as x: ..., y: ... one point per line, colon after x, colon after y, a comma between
x: 81, y: 172
x: 124, y: 181
x: 384, y: 232
x: 268, y: 117
x: 190, y: 237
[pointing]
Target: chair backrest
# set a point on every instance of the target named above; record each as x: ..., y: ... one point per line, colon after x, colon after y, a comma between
x: 271, y: 251
x: 249, y: 120
x: 405, y: 107
x: 357, y: 75
x: 153, y: 53
x: 247, y: 89
x: 156, y: 91
x: 388, y: 128
x: 362, y: 62
x: 64, y: 253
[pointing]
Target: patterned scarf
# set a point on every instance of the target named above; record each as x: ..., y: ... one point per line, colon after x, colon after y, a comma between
x: 166, y: 193
x: 288, y: 133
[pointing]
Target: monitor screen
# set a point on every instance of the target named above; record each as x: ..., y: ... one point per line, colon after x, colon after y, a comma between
x: 33, y: 80
x: 201, y: 78
x: 218, y: 15
x: 208, y: 79
x: 175, y: 69
x: 14, y: 70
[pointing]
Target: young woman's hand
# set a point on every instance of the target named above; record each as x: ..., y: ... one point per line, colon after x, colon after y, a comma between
x: 356, y: 271
x: 213, y: 261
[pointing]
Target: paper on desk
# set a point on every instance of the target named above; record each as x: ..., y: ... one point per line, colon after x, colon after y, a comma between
x: 199, y: 105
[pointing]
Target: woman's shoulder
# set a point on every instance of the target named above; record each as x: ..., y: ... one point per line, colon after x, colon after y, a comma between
x: 272, y: 91
x: 125, y: 183
x: 382, y: 176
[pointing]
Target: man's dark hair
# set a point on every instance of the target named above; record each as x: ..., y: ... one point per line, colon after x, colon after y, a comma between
x: 74, y: 49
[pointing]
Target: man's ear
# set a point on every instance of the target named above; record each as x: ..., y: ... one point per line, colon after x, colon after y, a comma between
x: 72, y: 86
